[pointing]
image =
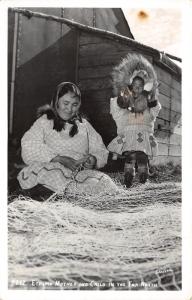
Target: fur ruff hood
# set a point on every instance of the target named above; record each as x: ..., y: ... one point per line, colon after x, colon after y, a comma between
x: 131, y: 66
x: 48, y: 110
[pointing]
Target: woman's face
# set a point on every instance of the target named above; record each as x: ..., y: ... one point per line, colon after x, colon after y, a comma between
x: 67, y: 106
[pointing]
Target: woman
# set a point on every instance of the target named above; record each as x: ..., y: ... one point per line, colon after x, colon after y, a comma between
x: 61, y: 149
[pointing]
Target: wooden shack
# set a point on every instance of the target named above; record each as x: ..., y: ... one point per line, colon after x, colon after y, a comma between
x: 48, y: 49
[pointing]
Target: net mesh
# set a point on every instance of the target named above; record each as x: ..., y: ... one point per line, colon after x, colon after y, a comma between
x: 130, y: 240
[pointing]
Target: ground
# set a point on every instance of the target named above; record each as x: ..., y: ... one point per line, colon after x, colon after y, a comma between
x: 127, y: 241
x: 159, y: 174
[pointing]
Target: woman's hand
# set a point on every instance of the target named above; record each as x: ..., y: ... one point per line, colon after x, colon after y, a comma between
x: 90, y: 162
x: 69, y: 162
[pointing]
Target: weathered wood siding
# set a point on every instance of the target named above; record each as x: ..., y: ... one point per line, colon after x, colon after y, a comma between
x: 168, y: 125
x: 11, y: 27
x: 97, y: 56
x: 49, y: 52
x: 46, y: 54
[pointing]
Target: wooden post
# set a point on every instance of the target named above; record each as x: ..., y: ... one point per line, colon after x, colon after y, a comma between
x: 94, y: 17
x: 170, y: 108
x: 13, y: 72
x: 77, y: 58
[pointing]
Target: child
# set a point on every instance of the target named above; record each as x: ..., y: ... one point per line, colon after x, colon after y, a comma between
x: 134, y: 110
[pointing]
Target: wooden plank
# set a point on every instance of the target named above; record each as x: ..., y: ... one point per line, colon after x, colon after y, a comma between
x: 176, y: 160
x: 77, y: 59
x: 167, y: 137
x: 175, y: 139
x: 105, y: 58
x: 163, y: 149
x: 175, y: 150
x: 98, y: 60
x: 109, y: 49
x: 176, y: 128
x: 175, y: 94
x: 179, y: 123
x: 162, y: 75
x: 175, y: 117
x: 162, y: 136
x: 99, y: 95
x: 111, y: 59
x: 162, y: 141
x: 162, y: 124
x: 101, y: 48
x: 169, y: 67
x: 96, y: 83
x: 164, y: 113
x: 176, y: 85
x: 94, y: 72
x: 164, y: 100
x: 99, y: 83
x: 166, y: 95
x: 164, y: 89
x: 86, y: 38
x: 176, y: 100
x: 176, y: 106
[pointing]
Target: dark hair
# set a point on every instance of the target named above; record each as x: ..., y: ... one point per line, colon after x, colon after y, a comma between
x: 61, y: 90
x: 138, y: 78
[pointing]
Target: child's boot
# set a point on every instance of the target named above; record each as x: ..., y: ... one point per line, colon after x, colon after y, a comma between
x: 143, y: 168
x: 129, y: 169
x: 129, y: 176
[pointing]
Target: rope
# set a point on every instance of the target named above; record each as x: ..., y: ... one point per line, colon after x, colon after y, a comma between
x: 130, y: 240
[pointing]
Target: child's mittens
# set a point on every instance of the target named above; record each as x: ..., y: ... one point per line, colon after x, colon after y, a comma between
x: 140, y: 104
x: 122, y: 102
x: 152, y: 100
x: 125, y: 99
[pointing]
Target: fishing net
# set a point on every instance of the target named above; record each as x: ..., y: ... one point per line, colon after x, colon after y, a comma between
x: 130, y: 240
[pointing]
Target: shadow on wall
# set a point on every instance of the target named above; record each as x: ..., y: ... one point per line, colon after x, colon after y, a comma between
x: 36, y: 81
x: 37, y: 78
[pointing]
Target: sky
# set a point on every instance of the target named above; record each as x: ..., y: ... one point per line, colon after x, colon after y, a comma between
x: 159, y: 28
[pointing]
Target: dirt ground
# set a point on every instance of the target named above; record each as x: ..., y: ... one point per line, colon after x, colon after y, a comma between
x: 160, y: 174
x: 149, y: 211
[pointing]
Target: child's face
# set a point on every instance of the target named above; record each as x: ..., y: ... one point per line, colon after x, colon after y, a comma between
x: 137, y: 87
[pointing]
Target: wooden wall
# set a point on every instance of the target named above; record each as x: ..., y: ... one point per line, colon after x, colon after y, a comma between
x: 97, y: 56
x: 45, y: 56
x: 168, y: 125
x: 48, y: 53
